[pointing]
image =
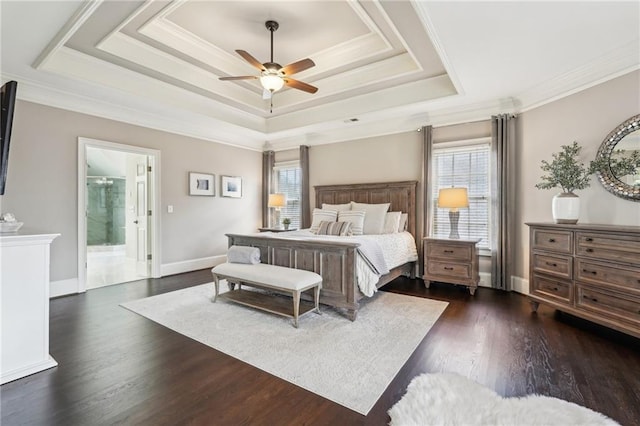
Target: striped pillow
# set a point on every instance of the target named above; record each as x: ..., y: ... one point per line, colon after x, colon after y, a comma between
x: 334, y: 228
x: 319, y: 215
x: 356, y: 217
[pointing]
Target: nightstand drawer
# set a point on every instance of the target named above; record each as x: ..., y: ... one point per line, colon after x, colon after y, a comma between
x: 559, y: 266
x: 450, y: 252
x: 449, y: 270
x: 558, y: 241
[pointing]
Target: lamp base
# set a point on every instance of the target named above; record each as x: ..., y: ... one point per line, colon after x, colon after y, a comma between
x: 454, y: 217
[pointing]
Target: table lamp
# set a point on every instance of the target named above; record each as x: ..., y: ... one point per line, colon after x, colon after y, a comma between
x: 453, y: 199
x: 277, y: 201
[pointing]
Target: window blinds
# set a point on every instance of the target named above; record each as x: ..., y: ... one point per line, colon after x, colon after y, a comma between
x: 288, y: 181
x: 463, y: 166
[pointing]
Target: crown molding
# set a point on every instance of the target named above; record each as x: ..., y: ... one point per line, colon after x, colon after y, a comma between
x: 616, y: 63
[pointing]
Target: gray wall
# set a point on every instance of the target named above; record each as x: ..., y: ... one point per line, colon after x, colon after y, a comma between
x: 42, y: 183
x: 41, y: 187
x: 586, y: 117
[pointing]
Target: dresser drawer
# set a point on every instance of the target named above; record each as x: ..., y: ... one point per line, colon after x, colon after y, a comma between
x: 554, y: 240
x: 559, y: 266
x: 550, y: 288
x: 625, y: 278
x: 608, y: 304
x: 621, y: 248
x: 448, y: 270
x: 453, y: 252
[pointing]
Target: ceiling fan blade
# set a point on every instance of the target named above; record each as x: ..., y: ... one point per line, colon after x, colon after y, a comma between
x: 253, y: 61
x: 297, y: 66
x: 296, y: 84
x: 240, y: 77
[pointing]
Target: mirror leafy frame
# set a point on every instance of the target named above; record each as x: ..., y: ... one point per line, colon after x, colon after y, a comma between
x: 608, y: 179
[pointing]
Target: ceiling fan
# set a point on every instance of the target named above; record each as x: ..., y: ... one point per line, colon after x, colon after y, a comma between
x: 272, y: 75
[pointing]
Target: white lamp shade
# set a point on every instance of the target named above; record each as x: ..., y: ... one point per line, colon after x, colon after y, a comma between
x: 271, y: 82
x: 277, y: 200
x: 453, y: 198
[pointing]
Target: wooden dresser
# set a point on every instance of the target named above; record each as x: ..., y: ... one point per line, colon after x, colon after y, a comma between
x: 590, y: 271
x: 451, y: 261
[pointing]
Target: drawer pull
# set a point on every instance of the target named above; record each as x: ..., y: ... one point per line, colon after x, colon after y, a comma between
x: 448, y: 251
x: 555, y: 289
x: 589, y: 250
x: 551, y: 264
x: 447, y: 268
x: 593, y: 299
x: 552, y: 240
x: 588, y: 239
x: 590, y: 272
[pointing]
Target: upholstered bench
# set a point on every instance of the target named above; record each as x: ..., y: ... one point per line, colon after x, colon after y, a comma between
x: 269, y: 277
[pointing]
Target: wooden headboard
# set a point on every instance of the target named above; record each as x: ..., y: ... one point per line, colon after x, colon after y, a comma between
x: 401, y: 195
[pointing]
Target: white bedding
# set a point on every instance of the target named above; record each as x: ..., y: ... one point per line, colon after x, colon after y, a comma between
x: 396, y: 249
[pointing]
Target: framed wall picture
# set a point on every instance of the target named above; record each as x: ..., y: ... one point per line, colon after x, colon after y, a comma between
x: 202, y: 184
x: 231, y: 186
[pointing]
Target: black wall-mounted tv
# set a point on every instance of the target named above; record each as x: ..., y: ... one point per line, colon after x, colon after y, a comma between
x: 8, y: 104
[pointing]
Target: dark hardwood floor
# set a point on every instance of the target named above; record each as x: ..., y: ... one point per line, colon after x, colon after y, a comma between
x: 117, y: 367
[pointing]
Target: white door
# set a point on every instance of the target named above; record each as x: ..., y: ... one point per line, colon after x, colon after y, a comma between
x: 143, y: 260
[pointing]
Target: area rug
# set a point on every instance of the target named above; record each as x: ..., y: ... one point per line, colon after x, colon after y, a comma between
x: 350, y: 363
x: 451, y: 399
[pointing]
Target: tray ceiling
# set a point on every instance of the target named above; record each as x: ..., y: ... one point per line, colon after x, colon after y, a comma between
x: 393, y: 65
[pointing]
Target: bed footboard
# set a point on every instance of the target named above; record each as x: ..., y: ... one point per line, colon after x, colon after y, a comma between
x: 334, y: 261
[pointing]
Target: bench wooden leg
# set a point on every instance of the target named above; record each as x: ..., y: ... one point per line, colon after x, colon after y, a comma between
x: 316, y: 299
x: 216, y: 285
x: 296, y: 307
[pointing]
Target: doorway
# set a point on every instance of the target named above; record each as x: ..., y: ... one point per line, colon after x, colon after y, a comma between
x: 117, y: 231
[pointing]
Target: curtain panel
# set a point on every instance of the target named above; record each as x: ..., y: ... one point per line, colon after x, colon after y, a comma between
x: 268, y: 160
x: 503, y: 143
x: 423, y: 231
x: 305, y: 203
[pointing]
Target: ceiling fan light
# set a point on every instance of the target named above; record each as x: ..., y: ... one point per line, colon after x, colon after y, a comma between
x: 271, y: 82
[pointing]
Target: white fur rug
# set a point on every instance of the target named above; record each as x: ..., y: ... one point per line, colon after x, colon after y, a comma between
x: 451, y: 399
x: 350, y: 363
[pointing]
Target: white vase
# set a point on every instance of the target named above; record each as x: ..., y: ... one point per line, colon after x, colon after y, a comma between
x: 566, y: 208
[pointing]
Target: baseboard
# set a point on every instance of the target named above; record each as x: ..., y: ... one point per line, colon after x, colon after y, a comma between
x: 191, y: 265
x: 519, y: 285
x: 485, y: 279
x: 63, y: 287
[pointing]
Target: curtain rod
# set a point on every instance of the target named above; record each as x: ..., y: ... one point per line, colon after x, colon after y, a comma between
x: 467, y: 122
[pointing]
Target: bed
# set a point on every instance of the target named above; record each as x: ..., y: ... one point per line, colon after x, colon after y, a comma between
x: 337, y: 261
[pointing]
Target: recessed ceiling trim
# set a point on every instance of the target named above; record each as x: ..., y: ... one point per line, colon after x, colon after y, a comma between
x: 410, y: 93
x: 66, y: 32
x: 137, y: 52
x: 69, y: 62
x: 421, y: 10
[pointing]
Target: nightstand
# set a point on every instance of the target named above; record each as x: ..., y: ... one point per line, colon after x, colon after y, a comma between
x: 276, y: 229
x: 451, y: 261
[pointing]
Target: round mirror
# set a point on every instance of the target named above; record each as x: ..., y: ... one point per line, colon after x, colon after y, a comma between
x: 620, y: 158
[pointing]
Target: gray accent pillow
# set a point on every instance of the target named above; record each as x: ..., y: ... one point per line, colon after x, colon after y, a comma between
x: 374, y: 218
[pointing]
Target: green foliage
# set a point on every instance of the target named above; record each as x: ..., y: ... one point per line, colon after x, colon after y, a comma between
x: 286, y: 221
x: 566, y: 171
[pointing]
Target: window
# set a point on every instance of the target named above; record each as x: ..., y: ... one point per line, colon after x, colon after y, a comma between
x: 464, y: 165
x: 288, y: 180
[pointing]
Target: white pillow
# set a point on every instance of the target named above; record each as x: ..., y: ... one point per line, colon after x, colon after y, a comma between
x: 374, y: 218
x: 356, y: 217
x: 404, y: 222
x: 319, y: 215
x: 391, y: 222
x: 336, y: 207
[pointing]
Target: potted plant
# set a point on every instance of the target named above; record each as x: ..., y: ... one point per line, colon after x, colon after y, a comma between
x: 286, y: 222
x: 565, y: 171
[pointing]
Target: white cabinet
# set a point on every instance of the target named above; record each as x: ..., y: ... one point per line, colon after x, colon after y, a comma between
x: 24, y: 304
